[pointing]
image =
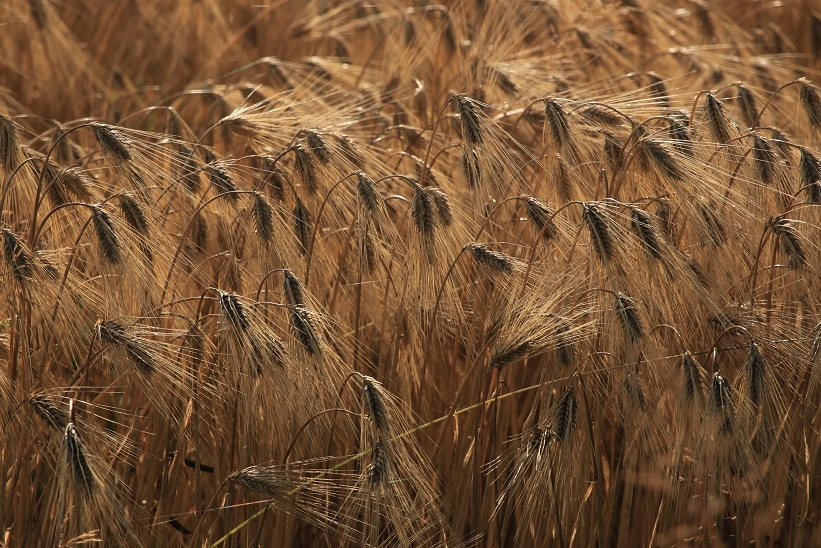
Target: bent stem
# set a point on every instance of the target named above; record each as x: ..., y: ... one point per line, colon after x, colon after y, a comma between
x: 776, y: 92
x: 432, y: 139
x: 185, y: 233
x: 308, y: 422
x: 439, y: 294
x: 539, y: 238
x: 42, y: 175
x: 623, y: 165
x: 316, y: 224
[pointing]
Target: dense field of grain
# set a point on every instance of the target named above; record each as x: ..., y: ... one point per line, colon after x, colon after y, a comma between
x: 397, y: 273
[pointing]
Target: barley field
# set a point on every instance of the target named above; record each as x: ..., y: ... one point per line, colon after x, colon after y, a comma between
x: 400, y: 273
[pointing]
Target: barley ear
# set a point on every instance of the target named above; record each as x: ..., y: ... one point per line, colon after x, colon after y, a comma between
x: 425, y: 219
x: 790, y: 244
x: 264, y: 217
x: 107, y: 238
x: 55, y: 417
x: 645, y: 229
x: 8, y: 144
x: 509, y: 353
x: 115, y: 334
x: 557, y: 122
x: 442, y: 202
x: 368, y: 196
x: 564, y: 417
x: 378, y: 468
x: 472, y: 127
x: 810, y: 98
x: 134, y: 214
x: 221, y: 180
x: 293, y: 289
x: 302, y: 226
x: 374, y: 401
x: 305, y: 168
x: 493, y: 261
x: 716, y: 119
x: 692, y: 383
x: 234, y: 311
x: 764, y: 160
x: 666, y: 164
x: 115, y: 146
x: 17, y: 256
x: 628, y: 315
x: 77, y: 461
x: 756, y: 369
x: 540, y: 214
x: 318, y: 147
x: 599, y: 231
x: 720, y: 401
x: 749, y: 110
x: 303, y: 325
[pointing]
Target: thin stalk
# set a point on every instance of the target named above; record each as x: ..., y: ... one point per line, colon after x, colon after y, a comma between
x: 776, y: 92
x: 316, y: 225
x: 619, y: 176
x: 185, y: 232
x: 432, y: 139
x: 37, y: 195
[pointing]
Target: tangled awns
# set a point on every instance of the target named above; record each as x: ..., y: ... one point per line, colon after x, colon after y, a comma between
x: 403, y: 273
